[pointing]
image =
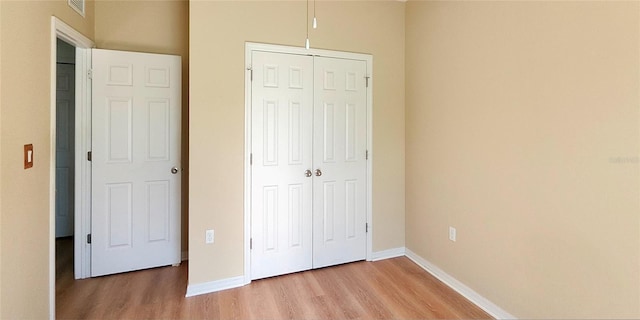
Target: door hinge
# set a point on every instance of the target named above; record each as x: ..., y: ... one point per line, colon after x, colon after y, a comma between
x: 367, y: 81
x: 89, y: 156
x: 251, y: 159
x: 90, y: 73
x: 89, y: 238
x: 250, y: 73
x: 250, y: 243
x: 366, y: 155
x: 366, y: 228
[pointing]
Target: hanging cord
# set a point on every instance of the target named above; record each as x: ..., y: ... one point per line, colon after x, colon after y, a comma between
x: 315, y: 22
x: 306, y: 44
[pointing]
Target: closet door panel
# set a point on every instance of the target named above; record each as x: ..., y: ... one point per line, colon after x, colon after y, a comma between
x: 339, y: 161
x: 281, y: 193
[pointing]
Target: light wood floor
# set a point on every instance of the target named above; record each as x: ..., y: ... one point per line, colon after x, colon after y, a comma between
x: 389, y: 289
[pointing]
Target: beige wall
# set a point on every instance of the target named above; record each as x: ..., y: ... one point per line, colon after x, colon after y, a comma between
x: 155, y: 27
x: 218, y: 31
x: 24, y: 211
x: 522, y: 132
x: 0, y: 159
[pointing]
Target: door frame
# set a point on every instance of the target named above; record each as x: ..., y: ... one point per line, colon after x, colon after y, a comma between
x: 251, y: 47
x: 82, y: 182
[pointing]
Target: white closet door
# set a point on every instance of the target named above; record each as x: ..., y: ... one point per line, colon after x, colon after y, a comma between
x: 340, y: 172
x: 136, y: 161
x: 65, y: 135
x: 281, y: 193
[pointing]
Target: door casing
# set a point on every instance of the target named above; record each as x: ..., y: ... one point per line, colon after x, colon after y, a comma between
x: 249, y: 48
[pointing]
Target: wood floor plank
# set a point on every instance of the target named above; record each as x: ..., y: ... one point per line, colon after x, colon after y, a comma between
x: 375, y: 308
x: 388, y: 289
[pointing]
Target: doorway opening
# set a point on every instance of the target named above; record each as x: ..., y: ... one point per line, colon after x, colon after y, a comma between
x: 65, y: 159
x: 69, y: 176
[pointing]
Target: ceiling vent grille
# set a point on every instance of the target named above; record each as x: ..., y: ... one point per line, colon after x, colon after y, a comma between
x: 78, y: 6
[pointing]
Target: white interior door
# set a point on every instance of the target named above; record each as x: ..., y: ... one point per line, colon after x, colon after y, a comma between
x: 282, y: 91
x: 65, y: 135
x: 339, y: 161
x: 136, y: 165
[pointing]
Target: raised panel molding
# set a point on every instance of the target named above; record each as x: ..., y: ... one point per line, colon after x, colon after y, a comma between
x: 119, y: 122
x: 328, y: 203
x: 328, y: 134
x: 351, y: 82
x: 329, y: 80
x: 351, y: 188
x: 158, y: 77
x: 270, y: 210
x: 158, y: 210
x: 119, y: 208
x: 295, y: 133
x: 295, y: 214
x: 63, y: 82
x: 63, y: 110
x: 270, y: 133
x: 271, y: 76
x: 120, y: 75
x: 350, y: 133
x: 295, y: 78
x: 158, y: 129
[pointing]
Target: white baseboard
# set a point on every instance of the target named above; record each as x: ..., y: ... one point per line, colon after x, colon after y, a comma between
x: 213, y: 286
x: 482, y: 302
x: 185, y: 255
x: 388, y: 254
x: 459, y: 287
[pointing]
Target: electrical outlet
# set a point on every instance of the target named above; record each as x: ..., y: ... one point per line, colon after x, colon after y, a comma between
x: 209, y: 236
x: 452, y: 234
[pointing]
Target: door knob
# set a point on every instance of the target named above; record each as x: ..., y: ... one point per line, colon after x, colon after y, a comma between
x: 318, y: 172
x: 307, y: 173
x: 174, y: 170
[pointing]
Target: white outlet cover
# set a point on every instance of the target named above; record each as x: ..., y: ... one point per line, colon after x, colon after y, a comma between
x: 209, y: 236
x: 452, y: 234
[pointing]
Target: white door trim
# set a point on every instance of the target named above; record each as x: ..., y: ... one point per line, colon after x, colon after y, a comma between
x: 249, y: 48
x: 61, y: 30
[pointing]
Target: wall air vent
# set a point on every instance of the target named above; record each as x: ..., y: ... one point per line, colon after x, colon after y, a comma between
x: 77, y: 5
